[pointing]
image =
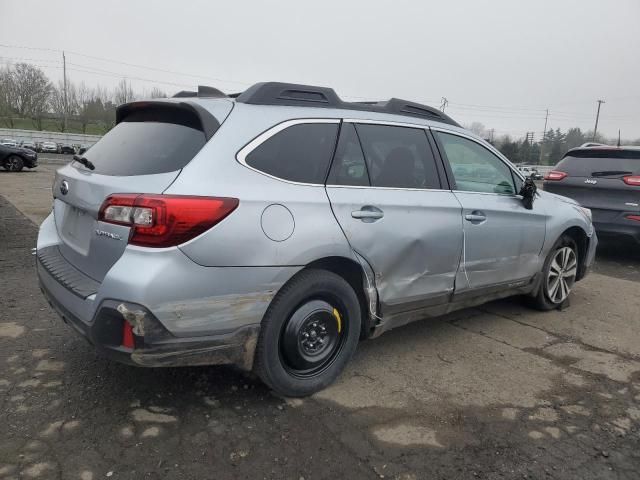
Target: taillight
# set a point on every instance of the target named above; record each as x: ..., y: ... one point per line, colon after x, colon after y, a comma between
x: 634, y: 217
x: 165, y: 220
x: 555, y: 175
x: 632, y: 180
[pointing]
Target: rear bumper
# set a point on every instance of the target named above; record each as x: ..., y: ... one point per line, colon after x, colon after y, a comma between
x: 192, y: 315
x: 619, y: 228
x: 154, y: 345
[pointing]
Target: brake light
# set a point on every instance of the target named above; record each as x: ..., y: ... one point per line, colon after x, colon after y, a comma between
x: 555, y: 175
x: 165, y: 220
x: 634, y: 217
x: 632, y: 180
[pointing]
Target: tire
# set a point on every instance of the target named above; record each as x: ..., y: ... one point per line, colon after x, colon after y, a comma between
x: 309, y: 333
x: 13, y: 163
x: 552, y: 294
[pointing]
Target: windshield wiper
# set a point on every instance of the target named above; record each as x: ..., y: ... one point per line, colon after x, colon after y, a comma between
x: 84, y: 161
x: 606, y: 173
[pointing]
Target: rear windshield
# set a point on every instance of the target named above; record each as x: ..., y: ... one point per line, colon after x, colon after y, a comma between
x: 148, y: 142
x: 589, y: 163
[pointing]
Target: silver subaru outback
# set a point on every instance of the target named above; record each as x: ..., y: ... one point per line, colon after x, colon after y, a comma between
x: 276, y: 228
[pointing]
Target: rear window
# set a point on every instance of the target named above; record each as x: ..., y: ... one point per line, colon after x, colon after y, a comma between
x: 148, y: 142
x: 300, y: 153
x: 589, y: 163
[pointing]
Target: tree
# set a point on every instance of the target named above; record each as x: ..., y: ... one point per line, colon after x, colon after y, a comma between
x: 525, y: 151
x: 123, y: 92
x: 32, y: 90
x: 157, y: 93
x: 102, y: 109
x: 64, y: 105
x: 7, y: 96
x: 479, y: 129
x: 558, y: 147
x: 509, y: 149
x: 534, y: 154
x: 546, y: 145
x: 599, y: 137
x: 85, y: 96
x: 574, y: 138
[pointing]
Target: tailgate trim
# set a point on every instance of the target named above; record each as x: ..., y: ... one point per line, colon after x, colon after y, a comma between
x: 66, y: 274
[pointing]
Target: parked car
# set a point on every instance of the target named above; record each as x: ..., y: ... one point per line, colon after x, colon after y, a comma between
x: 14, y: 159
x: 49, y: 147
x: 29, y: 145
x: 530, y: 172
x: 605, y: 179
x: 8, y: 142
x: 306, y: 224
x: 67, y: 149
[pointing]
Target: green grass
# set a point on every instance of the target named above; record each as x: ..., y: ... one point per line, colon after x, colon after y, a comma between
x: 51, y: 125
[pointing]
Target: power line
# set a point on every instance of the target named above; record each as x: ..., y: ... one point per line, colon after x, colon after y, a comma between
x: 145, y: 67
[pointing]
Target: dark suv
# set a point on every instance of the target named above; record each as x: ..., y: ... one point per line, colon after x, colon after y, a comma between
x: 606, y: 180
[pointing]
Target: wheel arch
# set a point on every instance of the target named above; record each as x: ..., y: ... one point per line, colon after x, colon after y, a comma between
x: 582, y: 242
x: 355, y: 275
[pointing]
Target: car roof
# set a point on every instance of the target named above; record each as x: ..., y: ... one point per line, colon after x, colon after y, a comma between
x: 279, y: 94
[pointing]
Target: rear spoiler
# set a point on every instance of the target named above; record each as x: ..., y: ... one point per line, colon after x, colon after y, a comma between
x: 603, y: 152
x: 184, y: 112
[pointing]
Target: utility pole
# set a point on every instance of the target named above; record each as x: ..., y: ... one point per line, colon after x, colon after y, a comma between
x: 595, y: 129
x: 64, y: 81
x: 544, y: 134
x: 529, y: 138
x: 529, y: 141
x: 444, y: 103
x: 491, y: 136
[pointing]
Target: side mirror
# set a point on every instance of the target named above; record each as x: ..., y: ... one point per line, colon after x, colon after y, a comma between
x: 528, y: 192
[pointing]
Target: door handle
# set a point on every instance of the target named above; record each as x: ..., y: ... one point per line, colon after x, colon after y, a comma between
x: 368, y: 214
x: 475, y: 217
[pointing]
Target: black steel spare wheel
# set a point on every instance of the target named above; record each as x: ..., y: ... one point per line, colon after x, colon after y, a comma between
x: 308, y: 334
x: 311, y: 338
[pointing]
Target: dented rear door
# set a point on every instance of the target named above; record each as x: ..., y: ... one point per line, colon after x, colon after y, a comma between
x: 410, y: 234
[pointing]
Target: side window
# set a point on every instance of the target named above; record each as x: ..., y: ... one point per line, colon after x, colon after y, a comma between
x: 300, y: 153
x: 474, y: 167
x: 398, y: 157
x: 348, y: 166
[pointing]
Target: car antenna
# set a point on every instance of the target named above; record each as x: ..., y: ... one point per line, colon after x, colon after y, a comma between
x: 618, y: 137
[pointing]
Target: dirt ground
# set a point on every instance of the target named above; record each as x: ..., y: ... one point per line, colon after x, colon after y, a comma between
x: 494, y: 392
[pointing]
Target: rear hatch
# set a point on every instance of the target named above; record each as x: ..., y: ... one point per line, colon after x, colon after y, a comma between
x: 144, y: 153
x: 602, y: 179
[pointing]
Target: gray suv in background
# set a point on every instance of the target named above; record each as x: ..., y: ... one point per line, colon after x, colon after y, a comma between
x: 277, y: 228
x: 605, y: 179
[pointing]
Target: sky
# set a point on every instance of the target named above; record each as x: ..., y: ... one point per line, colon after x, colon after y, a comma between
x: 498, y: 62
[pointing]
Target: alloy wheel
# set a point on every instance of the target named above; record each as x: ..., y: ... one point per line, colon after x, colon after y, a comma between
x: 12, y: 163
x: 562, y: 274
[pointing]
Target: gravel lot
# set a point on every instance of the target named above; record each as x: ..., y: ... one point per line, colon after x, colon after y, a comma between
x: 493, y: 392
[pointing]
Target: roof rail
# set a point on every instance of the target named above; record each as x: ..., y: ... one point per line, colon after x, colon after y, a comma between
x: 203, y: 92
x: 277, y: 93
